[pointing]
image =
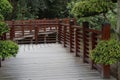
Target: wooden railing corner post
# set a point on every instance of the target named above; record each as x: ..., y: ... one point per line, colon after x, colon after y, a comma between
x: 71, y: 23
x: 105, y: 31
x: 85, y: 26
x: 106, y: 36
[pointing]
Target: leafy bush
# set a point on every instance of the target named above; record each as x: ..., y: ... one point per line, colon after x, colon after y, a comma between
x: 94, y: 21
x: 3, y: 28
x: 8, y: 49
x: 5, y: 7
x: 106, y: 52
x: 91, y: 7
x: 1, y: 17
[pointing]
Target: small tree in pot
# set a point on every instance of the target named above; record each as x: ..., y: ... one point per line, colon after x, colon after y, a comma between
x: 8, y: 49
x: 106, y: 52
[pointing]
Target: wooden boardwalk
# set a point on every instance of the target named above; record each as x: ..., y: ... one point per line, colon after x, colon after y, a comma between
x: 46, y: 62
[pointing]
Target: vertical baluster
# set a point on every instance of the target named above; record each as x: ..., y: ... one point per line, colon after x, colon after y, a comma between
x: 64, y: 36
x: 71, y: 35
x: 36, y: 34
x: 30, y: 25
x: 85, y: 26
x: 59, y: 31
x: 93, y: 44
x: 12, y: 31
x: 22, y: 28
x: 76, y: 42
x: 45, y: 21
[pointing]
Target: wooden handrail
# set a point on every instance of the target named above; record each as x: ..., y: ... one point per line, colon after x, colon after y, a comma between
x: 78, y: 39
x: 94, y: 31
x: 88, y: 38
x: 33, y: 24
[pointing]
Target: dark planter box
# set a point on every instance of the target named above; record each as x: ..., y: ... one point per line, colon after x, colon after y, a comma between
x: 105, y: 71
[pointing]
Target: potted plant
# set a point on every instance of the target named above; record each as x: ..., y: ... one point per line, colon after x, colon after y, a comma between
x: 8, y: 49
x: 106, y: 53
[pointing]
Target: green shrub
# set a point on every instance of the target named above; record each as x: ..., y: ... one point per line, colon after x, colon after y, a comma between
x: 5, y: 7
x: 106, y: 52
x: 8, y: 49
x: 85, y: 8
x: 3, y: 28
x: 1, y: 17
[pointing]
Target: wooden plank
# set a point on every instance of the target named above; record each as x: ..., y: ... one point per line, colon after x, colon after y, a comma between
x: 46, y: 62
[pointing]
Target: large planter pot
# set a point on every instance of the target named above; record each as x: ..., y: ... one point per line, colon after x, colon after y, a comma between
x: 105, y: 71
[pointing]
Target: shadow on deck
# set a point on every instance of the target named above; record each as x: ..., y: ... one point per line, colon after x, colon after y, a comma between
x: 46, y: 62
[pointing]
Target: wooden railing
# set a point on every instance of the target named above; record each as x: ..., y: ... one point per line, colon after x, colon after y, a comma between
x: 37, y: 30
x: 79, y: 39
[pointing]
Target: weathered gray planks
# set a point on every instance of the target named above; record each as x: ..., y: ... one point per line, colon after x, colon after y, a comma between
x: 46, y: 62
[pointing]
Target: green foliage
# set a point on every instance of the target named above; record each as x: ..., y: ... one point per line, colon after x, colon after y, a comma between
x: 112, y: 18
x: 94, y: 21
x: 8, y: 49
x: 30, y: 9
x: 5, y: 7
x: 1, y: 17
x: 85, y: 8
x: 3, y: 28
x: 106, y: 52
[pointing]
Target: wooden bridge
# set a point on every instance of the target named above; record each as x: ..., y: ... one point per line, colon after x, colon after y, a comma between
x: 55, y: 59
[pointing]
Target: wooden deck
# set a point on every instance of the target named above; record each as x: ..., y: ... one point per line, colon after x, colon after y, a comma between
x: 46, y: 62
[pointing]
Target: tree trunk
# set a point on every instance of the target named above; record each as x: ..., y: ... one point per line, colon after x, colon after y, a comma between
x: 118, y: 33
x: 118, y: 21
x: 118, y: 70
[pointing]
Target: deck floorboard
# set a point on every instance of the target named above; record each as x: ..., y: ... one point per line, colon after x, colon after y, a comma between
x: 46, y: 62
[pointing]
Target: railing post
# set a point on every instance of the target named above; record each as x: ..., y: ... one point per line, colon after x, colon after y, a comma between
x: 85, y: 40
x: 93, y: 44
x: 71, y: 35
x: 22, y: 28
x: 44, y: 24
x: 36, y: 34
x: 12, y: 31
x: 106, y: 31
x: 106, y: 36
x: 76, y: 42
x: 57, y: 21
x: 4, y: 36
x: 59, y: 31
x: 64, y: 30
x: 30, y: 26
